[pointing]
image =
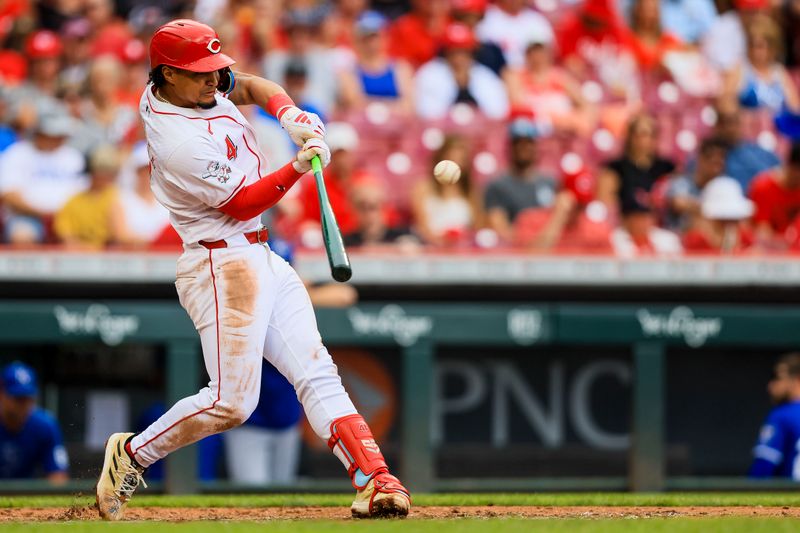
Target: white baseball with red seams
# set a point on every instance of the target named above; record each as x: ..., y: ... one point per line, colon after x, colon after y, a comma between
x: 447, y: 172
x: 245, y: 301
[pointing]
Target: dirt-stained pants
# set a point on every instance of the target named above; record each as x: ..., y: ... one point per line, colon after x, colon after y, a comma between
x: 246, y: 302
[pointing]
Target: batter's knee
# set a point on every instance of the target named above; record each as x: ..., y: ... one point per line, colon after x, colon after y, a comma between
x: 232, y: 415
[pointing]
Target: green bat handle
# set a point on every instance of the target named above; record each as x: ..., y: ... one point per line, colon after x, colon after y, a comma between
x: 334, y: 246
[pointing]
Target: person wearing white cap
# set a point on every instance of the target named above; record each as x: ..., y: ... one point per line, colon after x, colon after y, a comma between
x: 140, y: 219
x: 37, y: 177
x: 722, y: 226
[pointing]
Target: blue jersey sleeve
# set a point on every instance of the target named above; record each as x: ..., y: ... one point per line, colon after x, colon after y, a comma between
x: 54, y: 454
x: 770, y: 449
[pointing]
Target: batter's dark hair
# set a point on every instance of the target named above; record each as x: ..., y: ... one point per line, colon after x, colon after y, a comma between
x: 792, y: 363
x: 157, y: 78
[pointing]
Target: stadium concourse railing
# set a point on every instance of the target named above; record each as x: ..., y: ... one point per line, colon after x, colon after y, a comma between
x: 417, y: 329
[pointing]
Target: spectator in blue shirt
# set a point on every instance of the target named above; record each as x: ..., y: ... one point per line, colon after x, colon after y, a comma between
x: 30, y: 439
x: 776, y: 453
x: 745, y: 159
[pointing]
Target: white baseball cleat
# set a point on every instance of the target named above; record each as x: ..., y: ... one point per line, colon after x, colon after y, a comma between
x: 383, y: 497
x: 119, y: 478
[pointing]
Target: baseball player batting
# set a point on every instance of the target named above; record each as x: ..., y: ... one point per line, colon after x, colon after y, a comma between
x: 245, y: 301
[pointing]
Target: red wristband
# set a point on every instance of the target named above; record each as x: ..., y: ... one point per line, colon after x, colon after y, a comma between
x: 276, y: 105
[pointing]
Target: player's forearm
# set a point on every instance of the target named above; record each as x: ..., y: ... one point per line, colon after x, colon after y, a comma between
x: 257, y: 197
x: 251, y: 89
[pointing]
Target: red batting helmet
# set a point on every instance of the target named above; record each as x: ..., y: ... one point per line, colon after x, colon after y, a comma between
x: 189, y: 45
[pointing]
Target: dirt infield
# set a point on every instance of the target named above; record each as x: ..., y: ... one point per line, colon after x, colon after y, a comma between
x: 182, y: 514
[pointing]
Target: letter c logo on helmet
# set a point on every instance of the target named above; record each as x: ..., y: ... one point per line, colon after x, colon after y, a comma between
x: 214, y: 46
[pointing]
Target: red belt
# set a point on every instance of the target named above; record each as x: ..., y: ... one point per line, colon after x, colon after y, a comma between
x: 253, y: 237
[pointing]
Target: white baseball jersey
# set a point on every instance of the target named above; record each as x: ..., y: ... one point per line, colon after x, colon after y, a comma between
x: 200, y: 158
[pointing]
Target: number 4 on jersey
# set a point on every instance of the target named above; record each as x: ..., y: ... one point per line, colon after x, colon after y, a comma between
x: 233, y: 150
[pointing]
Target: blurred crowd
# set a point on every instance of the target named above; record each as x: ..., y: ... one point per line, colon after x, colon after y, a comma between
x: 634, y: 127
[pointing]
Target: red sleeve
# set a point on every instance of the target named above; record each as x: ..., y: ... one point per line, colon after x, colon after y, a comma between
x: 759, y: 194
x: 257, y: 197
x: 695, y: 241
x: 567, y: 37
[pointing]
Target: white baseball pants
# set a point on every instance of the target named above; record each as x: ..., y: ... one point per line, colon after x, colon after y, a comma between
x: 246, y: 302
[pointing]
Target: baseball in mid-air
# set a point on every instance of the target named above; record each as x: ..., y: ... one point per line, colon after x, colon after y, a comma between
x: 447, y: 171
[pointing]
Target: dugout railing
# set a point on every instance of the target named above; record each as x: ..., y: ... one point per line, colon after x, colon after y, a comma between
x: 418, y: 329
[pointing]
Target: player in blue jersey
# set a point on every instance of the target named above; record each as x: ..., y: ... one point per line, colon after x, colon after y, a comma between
x: 777, y: 453
x: 30, y: 439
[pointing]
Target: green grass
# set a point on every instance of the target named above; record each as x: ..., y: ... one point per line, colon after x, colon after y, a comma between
x: 336, y: 500
x: 726, y: 525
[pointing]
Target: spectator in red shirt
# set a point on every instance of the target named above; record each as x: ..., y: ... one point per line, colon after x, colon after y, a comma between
x: 722, y: 223
x: 648, y: 41
x: 590, y: 36
x: 776, y: 194
x: 575, y: 223
x: 415, y: 36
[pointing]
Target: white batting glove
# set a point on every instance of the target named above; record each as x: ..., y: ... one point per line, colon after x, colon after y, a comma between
x: 302, y: 125
x: 311, y: 148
